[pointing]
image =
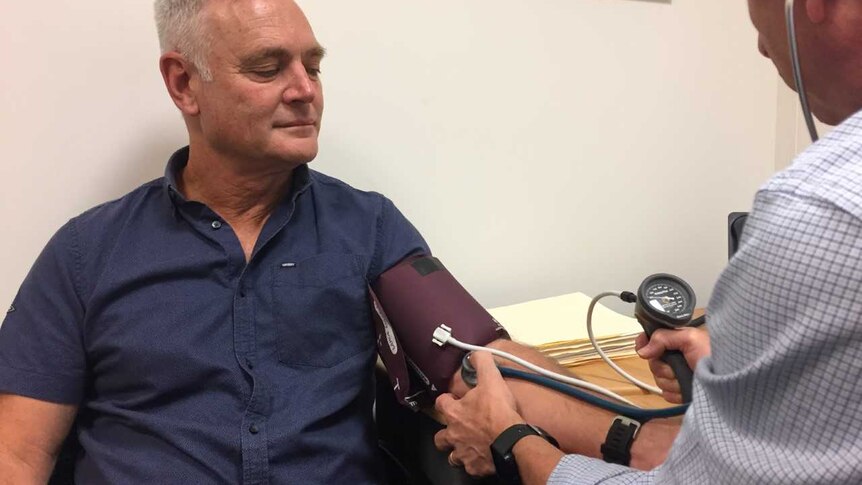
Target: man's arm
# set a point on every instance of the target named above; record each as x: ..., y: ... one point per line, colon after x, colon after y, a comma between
x: 579, y: 427
x: 485, y: 411
x: 31, y: 433
x: 536, y: 459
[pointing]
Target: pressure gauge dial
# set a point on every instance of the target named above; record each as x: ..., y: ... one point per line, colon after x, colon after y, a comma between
x: 665, y: 301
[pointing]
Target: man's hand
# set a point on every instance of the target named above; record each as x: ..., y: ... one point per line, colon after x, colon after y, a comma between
x: 692, y: 342
x: 474, y: 421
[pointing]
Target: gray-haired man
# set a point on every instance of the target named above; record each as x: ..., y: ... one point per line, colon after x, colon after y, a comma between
x: 212, y: 326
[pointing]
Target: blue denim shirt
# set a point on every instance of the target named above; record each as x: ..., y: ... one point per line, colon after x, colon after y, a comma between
x: 191, y: 366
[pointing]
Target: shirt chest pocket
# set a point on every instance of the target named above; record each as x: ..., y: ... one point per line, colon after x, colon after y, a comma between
x: 321, y: 310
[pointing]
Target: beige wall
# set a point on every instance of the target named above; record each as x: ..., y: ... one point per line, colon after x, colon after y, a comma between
x: 541, y: 147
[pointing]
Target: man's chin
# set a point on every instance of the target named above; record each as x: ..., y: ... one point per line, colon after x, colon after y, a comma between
x: 297, y: 157
x: 296, y: 151
x: 832, y: 119
x: 829, y: 113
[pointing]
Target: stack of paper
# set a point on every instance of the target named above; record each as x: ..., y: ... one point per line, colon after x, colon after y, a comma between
x: 558, y: 327
x: 573, y: 353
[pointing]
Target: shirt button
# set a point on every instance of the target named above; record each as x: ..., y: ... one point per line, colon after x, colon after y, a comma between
x: 216, y: 225
x: 249, y: 363
x: 253, y: 429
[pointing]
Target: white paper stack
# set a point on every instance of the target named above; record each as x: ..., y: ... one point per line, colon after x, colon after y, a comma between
x: 558, y: 327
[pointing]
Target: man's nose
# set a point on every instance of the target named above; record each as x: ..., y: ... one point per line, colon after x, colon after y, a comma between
x: 300, y: 87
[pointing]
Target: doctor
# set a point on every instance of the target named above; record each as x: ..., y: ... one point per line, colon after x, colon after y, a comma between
x: 777, y: 401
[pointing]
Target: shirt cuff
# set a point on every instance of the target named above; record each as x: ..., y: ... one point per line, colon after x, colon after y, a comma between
x: 584, y: 470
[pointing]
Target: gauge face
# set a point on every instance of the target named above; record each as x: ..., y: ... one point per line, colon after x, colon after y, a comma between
x: 664, y: 300
x: 667, y: 297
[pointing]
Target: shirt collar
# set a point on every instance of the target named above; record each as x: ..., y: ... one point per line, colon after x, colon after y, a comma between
x: 301, y: 177
x: 176, y: 163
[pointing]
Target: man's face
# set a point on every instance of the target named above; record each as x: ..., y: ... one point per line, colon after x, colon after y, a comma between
x: 265, y: 101
x: 818, y: 62
x: 769, y: 20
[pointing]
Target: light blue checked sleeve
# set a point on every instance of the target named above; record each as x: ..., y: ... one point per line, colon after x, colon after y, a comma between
x: 779, y: 400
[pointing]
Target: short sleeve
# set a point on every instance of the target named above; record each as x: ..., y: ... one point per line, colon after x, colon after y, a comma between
x: 396, y: 239
x: 41, y: 346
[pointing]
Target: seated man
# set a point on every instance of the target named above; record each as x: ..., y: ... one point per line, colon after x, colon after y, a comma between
x: 211, y: 326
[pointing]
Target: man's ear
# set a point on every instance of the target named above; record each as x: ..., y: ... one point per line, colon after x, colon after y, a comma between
x: 180, y: 81
x: 816, y: 10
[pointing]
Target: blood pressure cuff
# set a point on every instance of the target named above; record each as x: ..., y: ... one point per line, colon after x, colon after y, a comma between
x: 409, y: 301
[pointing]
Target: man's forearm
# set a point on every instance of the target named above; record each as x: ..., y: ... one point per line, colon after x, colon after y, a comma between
x: 16, y: 471
x: 579, y: 427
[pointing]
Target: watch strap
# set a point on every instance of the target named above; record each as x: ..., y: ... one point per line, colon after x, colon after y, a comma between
x: 504, y: 458
x: 618, y: 442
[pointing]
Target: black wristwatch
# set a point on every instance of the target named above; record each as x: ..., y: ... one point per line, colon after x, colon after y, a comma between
x: 501, y: 450
x: 618, y: 443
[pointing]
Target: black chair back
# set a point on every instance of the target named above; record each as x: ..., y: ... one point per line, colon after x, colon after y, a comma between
x: 735, y: 225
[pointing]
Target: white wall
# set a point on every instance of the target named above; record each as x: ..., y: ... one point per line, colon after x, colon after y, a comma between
x: 541, y: 146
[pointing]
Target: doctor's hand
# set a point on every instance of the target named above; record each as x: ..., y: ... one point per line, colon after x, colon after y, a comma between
x: 693, y: 342
x: 477, y: 419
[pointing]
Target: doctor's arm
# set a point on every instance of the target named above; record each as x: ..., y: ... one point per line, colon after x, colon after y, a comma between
x: 694, y: 344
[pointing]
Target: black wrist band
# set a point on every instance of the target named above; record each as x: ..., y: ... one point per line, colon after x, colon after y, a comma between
x: 504, y: 458
x: 618, y: 443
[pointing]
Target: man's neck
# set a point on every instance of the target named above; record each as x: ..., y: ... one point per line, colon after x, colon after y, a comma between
x: 244, y: 195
